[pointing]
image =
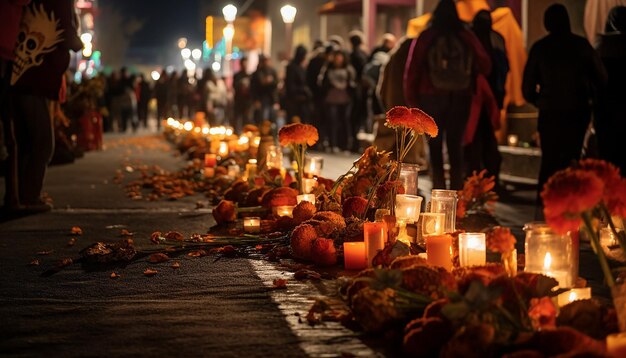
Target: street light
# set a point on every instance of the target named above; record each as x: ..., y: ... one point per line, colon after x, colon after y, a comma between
x: 182, y: 42
x: 185, y: 53
x: 288, y: 13
x: 230, y: 12
x: 196, y: 54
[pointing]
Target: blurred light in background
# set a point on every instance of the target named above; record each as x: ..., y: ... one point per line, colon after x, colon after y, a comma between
x: 182, y: 43
x: 196, y: 54
x: 185, y: 53
x: 230, y: 12
x: 155, y: 75
x: 288, y: 13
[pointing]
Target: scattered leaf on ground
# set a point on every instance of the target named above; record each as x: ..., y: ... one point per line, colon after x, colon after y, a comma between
x: 174, y: 235
x: 72, y: 242
x: 156, y: 237
x: 279, y: 283
x: 114, y: 275
x: 150, y: 272
x: 176, y: 265
x: 65, y: 262
x: 197, y: 253
x: 76, y: 230
x: 34, y: 262
x: 45, y: 252
x: 125, y: 232
x: 158, y: 257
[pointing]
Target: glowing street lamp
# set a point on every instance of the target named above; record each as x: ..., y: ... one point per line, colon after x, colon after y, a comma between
x: 182, y: 43
x: 155, y: 75
x: 230, y: 12
x: 185, y: 53
x: 196, y: 54
x: 288, y: 13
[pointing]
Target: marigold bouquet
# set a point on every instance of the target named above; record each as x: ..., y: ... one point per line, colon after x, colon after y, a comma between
x: 409, y: 124
x: 591, y: 189
x: 298, y: 136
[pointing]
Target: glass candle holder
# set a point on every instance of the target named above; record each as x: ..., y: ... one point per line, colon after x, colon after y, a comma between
x: 223, y: 150
x: 574, y: 294
x: 549, y: 253
x: 309, y: 184
x: 429, y: 224
x: 375, y: 235
x: 354, y: 257
x: 444, y: 201
x: 439, y: 251
x: 472, y: 249
x: 283, y: 210
x: 233, y: 170
x: 252, y: 225
x: 313, y: 166
x: 210, y: 160
x: 408, y: 207
x: 274, y: 157
x: 408, y: 177
x: 381, y: 213
x: 251, y: 168
x: 306, y: 197
x: 512, y: 140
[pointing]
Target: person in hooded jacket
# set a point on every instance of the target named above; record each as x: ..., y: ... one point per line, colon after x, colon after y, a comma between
x: 298, y: 94
x: 610, y: 119
x: 561, y: 76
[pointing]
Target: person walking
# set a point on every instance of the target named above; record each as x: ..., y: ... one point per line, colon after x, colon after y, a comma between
x: 183, y: 95
x: 610, y: 120
x: 358, y: 113
x: 321, y: 56
x: 243, y: 100
x: 481, y: 145
x: 561, y: 76
x: 264, y: 86
x: 441, y: 68
x: 338, y: 80
x: 144, y: 94
x: 160, y: 92
x: 217, y: 99
x: 297, y: 92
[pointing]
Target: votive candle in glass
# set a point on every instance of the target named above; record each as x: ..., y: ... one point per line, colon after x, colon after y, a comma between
x: 616, y: 345
x: 233, y: 170
x: 472, y: 249
x: 574, y: 294
x: 251, y: 168
x: 549, y: 253
x: 354, y: 257
x: 408, y: 177
x: 222, y: 151
x: 313, y: 166
x: 375, y: 234
x: 408, y: 207
x: 429, y: 224
x: 210, y: 160
x: 283, y: 210
x: 309, y: 184
x: 439, y: 250
x: 252, y: 225
x: 274, y: 157
x: 306, y: 197
x: 444, y: 201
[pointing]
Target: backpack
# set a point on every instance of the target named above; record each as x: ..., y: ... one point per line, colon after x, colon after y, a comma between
x: 450, y: 63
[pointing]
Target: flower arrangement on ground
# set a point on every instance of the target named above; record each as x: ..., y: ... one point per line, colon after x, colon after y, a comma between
x: 298, y: 137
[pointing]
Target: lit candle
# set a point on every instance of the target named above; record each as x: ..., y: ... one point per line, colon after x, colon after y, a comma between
x: 561, y: 276
x: 313, y: 166
x: 408, y: 207
x: 512, y: 139
x: 243, y: 143
x: 616, y: 345
x: 375, y: 237
x: 284, y: 210
x: 256, y: 141
x: 233, y: 170
x: 222, y: 151
x: 574, y: 294
x: 252, y: 225
x: 251, y: 168
x: 438, y: 249
x: 309, y: 185
x: 210, y: 160
x: 354, y: 255
x: 209, y: 172
x: 306, y: 197
x: 274, y: 157
x: 472, y: 249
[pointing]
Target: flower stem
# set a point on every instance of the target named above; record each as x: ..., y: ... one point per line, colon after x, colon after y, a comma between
x: 597, y: 248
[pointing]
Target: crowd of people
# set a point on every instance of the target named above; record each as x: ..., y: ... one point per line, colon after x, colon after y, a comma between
x: 454, y: 71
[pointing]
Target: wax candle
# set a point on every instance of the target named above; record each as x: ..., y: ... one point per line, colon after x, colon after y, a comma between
x: 444, y: 201
x: 408, y: 177
x: 512, y: 139
x: 561, y: 276
x: 284, y: 210
x: 472, y: 249
x: 251, y: 168
x: 375, y: 237
x: 222, y: 151
x: 306, y: 197
x: 309, y: 185
x: 429, y: 224
x: 549, y: 253
x: 274, y: 157
x: 252, y: 225
x: 616, y: 345
x: 574, y: 294
x: 439, y: 249
x: 313, y: 166
x: 408, y: 207
x: 209, y: 172
x: 354, y: 255
x: 233, y: 170
x: 210, y: 160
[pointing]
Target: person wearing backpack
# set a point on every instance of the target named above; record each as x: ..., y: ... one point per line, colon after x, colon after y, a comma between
x: 439, y: 78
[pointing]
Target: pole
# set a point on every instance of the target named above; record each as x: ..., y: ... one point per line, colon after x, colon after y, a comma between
x: 288, y: 39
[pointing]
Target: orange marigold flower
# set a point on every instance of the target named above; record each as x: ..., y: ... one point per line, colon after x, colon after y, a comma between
x: 411, y: 118
x: 567, y: 194
x: 500, y: 239
x: 606, y: 171
x: 428, y: 123
x: 616, y: 202
x: 298, y: 133
x: 542, y: 313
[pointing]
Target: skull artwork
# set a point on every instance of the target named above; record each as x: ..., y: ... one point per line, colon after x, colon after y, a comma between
x: 39, y: 34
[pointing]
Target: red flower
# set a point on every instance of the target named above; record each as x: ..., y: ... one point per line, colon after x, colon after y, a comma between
x: 500, y: 239
x: 411, y: 118
x: 542, y: 313
x: 298, y: 133
x: 616, y: 202
x: 567, y: 195
x: 354, y: 206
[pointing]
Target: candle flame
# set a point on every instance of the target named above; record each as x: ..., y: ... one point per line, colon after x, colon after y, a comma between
x: 547, y: 261
x: 573, y: 296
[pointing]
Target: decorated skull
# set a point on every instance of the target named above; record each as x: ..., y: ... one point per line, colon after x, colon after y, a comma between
x: 39, y: 34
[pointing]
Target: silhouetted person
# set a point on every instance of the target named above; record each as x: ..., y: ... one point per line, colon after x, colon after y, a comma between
x: 610, y: 120
x: 358, y: 60
x: 297, y: 92
x: 389, y: 42
x: 482, y: 152
x: 337, y: 78
x: 144, y: 94
x: 320, y: 57
x: 561, y: 75
x: 264, y: 85
x: 442, y: 66
x: 243, y: 97
x: 183, y: 94
x: 161, y: 94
